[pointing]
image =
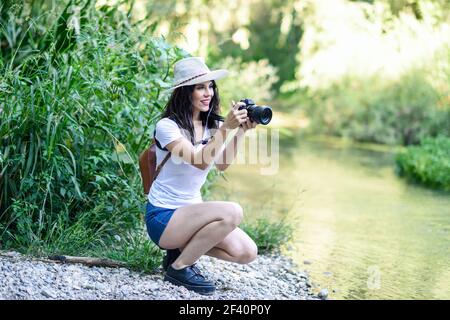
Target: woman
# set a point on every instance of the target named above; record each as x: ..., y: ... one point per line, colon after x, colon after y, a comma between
x: 177, y: 219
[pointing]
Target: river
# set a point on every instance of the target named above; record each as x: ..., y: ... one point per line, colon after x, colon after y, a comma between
x: 361, y: 232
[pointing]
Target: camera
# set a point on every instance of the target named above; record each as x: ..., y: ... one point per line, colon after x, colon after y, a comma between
x: 258, y: 114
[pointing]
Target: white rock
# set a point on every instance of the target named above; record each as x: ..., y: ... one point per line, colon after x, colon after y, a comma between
x: 323, y: 294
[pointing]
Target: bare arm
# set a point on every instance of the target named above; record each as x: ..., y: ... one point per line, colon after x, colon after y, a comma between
x: 203, y: 157
x: 229, y: 153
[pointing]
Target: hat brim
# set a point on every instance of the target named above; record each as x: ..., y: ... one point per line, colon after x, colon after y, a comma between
x: 213, y: 75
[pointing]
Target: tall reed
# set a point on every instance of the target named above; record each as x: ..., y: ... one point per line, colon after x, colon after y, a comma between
x: 79, y: 94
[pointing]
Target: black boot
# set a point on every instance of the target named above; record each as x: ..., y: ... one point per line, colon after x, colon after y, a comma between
x: 170, y: 257
x: 190, y: 278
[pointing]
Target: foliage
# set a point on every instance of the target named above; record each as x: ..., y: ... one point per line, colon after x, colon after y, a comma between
x: 371, y: 110
x: 79, y: 96
x: 273, y: 33
x: 364, y: 74
x: 428, y: 163
x: 361, y: 40
x: 247, y: 30
x: 269, y: 236
x: 246, y: 80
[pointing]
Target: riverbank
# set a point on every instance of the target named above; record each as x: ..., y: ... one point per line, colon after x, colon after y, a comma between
x: 268, y: 277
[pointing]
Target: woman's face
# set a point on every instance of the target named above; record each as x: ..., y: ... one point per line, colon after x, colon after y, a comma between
x: 202, y: 95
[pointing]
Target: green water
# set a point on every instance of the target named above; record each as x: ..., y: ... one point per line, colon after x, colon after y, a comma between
x: 363, y: 232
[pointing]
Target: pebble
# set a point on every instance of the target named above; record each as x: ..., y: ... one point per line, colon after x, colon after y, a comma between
x: 323, y: 294
x: 268, y: 277
x: 47, y: 293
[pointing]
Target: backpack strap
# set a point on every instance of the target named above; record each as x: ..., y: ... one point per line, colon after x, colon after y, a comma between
x: 158, y: 169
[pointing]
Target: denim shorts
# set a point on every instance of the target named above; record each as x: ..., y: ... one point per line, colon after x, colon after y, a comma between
x: 156, y: 219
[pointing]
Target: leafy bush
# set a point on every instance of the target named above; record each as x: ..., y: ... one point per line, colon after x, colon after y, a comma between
x: 428, y: 163
x: 79, y: 96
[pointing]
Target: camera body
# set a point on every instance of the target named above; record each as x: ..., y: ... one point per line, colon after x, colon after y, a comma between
x: 258, y: 114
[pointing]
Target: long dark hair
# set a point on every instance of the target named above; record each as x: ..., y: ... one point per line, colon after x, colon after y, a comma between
x: 179, y: 109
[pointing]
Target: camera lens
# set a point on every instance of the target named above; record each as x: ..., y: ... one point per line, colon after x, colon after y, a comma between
x: 258, y: 114
x: 266, y: 115
x: 262, y: 114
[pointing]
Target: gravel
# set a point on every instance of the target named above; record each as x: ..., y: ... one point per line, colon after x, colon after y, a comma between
x: 268, y: 277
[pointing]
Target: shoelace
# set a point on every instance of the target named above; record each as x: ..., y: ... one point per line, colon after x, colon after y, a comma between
x: 197, y: 271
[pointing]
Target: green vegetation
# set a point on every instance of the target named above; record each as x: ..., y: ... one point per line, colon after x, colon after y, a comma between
x: 399, y: 112
x: 247, y: 80
x: 81, y: 87
x: 428, y: 163
x: 135, y: 249
x: 365, y: 78
x: 268, y: 235
x: 79, y: 96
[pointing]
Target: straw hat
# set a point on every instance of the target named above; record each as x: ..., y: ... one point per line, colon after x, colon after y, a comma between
x: 193, y: 70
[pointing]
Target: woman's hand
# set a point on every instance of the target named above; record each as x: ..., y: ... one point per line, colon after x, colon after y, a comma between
x: 247, y: 125
x: 236, y: 117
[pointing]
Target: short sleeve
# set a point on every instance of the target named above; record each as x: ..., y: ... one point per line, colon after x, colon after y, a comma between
x: 167, y: 131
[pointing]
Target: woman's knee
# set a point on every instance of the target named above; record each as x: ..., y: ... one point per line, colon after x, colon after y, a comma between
x: 233, y: 214
x: 248, y: 253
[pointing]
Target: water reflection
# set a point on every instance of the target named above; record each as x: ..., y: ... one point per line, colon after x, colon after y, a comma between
x: 368, y: 234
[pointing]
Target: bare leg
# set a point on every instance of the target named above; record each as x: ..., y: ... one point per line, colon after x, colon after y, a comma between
x: 237, y: 247
x: 220, y: 254
x: 198, y: 228
x: 202, y: 242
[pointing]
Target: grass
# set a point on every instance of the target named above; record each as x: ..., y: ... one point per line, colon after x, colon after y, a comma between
x: 269, y: 236
x: 136, y: 251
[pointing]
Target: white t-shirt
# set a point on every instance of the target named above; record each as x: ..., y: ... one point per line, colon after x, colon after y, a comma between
x: 178, y: 183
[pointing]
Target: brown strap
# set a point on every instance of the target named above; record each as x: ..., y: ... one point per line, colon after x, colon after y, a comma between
x: 158, y: 169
